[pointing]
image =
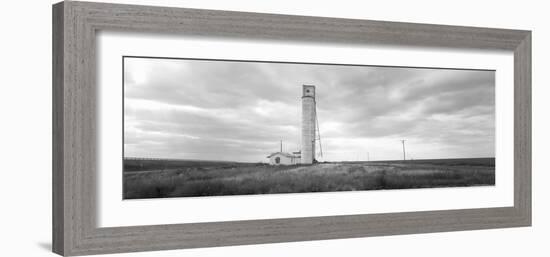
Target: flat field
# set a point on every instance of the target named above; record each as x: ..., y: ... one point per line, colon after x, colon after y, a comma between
x: 179, y: 178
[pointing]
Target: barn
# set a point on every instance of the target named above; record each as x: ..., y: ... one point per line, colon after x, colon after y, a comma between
x: 281, y: 158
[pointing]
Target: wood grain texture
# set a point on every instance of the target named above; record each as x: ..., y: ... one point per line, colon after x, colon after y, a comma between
x: 74, y: 121
x: 522, y: 129
x: 57, y: 131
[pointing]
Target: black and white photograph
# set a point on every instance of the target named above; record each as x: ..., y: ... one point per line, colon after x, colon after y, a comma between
x: 198, y: 127
x: 214, y: 128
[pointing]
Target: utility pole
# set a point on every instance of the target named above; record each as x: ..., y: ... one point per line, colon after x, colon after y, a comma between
x: 281, y: 146
x: 403, y: 142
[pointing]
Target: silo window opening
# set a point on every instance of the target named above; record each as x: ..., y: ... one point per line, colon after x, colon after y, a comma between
x: 277, y: 160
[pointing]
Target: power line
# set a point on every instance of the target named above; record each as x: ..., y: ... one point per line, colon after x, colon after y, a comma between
x: 403, y: 142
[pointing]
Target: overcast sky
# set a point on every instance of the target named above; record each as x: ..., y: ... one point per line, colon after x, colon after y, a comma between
x: 220, y: 110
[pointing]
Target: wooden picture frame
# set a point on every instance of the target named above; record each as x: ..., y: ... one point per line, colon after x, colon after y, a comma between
x: 74, y: 130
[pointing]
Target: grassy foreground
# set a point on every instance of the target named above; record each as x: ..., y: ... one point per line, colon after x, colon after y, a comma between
x: 159, y: 178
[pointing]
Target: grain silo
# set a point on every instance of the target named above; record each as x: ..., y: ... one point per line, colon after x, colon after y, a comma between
x: 308, y: 124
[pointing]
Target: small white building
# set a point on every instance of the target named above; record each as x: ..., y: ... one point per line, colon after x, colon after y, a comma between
x: 281, y: 158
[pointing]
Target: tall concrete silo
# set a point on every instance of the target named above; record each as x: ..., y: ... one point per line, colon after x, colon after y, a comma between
x: 308, y: 124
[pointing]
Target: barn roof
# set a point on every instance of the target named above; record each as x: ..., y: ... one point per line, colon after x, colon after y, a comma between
x: 283, y: 154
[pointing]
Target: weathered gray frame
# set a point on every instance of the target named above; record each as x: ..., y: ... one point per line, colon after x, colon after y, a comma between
x: 74, y: 122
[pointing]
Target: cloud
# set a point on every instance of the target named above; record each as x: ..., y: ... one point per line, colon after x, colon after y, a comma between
x: 239, y: 111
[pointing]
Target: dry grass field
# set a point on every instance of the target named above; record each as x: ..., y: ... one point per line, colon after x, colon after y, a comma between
x: 160, y: 178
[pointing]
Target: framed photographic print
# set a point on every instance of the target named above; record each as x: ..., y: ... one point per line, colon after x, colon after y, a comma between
x: 182, y: 128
